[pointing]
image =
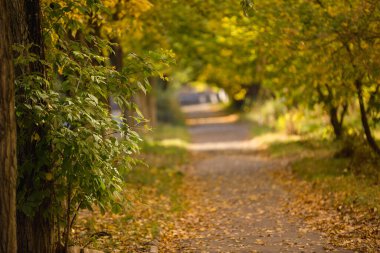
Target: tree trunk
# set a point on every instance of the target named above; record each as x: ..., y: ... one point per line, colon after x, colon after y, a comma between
x: 363, y: 113
x: 116, y: 59
x: 336, y: 122
x: 328, y: 101
x: 147, y: 103
x: 152, y: 101
x: 26, y: 29
x: 34, y: 234
x: 8, y: 161
x: 140, y: 98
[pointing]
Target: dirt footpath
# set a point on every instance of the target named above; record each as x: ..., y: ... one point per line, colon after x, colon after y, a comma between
x: 240, y: 208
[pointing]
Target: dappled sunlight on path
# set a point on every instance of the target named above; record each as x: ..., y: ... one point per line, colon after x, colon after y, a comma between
x: 212, y: 120
x: 254, y: 144
x: 238, y: 208
x: 213, y: 130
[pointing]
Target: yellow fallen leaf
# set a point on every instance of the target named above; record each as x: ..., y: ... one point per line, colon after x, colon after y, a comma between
x: 259, y: 242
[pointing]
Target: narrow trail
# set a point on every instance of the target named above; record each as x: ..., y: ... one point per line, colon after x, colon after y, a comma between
x: 242, y: 206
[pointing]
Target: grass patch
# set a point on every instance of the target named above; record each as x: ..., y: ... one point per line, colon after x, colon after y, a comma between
x: 160, y: 172
x: 167, y: 131
x: 334, y: 176
x: 315, y: 169
x: 300, y: 147
x: 158, y: 155
x: 352, y: 181
x: 166, y: 135
x: 257, y: 129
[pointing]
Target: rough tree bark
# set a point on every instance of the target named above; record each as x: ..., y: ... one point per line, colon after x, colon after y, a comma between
x: 151, y: 100
x: 116, y: 59
x: 336, y: 121
x: 363, y: 113
x: 34, y: 234
x: 8, y: 162
x: 336, y: 118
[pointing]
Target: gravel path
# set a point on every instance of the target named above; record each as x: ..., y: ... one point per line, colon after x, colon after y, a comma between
x: 242, y: 207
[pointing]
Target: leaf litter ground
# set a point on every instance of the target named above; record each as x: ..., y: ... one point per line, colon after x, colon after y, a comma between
x: 231, y: 200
